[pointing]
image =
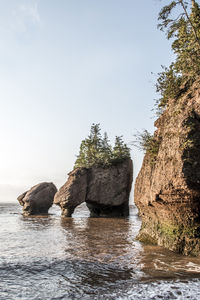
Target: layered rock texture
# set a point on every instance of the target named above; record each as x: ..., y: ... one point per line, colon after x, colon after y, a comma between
x: 38, y: 199
x: 167, y: 189
x: 105, y: 190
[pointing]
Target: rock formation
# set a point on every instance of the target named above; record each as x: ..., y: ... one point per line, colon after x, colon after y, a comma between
x: 73, y: 192
x: 167, y: 189
x: 38, y: 199
x: 105, y: 190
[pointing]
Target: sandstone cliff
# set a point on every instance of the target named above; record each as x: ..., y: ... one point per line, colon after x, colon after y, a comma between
x: 105, y: 190
x: 167, y: 189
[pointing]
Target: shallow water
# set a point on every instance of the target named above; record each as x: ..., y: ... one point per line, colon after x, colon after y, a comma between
x: 87, y: 258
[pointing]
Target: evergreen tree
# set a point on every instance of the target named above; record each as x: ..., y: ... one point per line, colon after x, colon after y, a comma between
x: 94, y: 145
x: 97, y: 151
x: 185, y: 32
x: 120, y: 150
x: 106, y: 150
x: 90, y: 148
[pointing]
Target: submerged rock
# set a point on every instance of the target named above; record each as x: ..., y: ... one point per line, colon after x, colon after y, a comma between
x: 105, y: 190
x: 167, y: 189
x: 38, y: 199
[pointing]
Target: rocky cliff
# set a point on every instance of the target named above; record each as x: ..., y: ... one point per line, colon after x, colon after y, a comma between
x: 105, y: 190
x: 167, y: 189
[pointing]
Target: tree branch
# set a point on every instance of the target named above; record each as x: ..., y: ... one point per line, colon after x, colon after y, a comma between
x: 188, y: 17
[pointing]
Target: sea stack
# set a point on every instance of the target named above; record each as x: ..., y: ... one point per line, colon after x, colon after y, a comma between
x: 167, y: 189
x: 38, y: 199
x: 105, y: 190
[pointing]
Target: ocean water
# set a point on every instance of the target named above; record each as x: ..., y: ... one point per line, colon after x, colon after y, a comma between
x: 87, y: 258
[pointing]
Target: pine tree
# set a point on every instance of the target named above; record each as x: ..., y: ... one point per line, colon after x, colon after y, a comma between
x: 94, y: 145
x: 120, y: 150
x: 106, y: 151
x: 97, y: 151
x: 185, y: 32
x: 90, y: 148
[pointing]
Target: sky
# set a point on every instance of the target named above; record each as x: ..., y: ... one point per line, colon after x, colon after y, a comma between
x: 66, y: 64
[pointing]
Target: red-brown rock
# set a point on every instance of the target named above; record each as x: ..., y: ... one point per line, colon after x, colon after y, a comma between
x: 167, y: 191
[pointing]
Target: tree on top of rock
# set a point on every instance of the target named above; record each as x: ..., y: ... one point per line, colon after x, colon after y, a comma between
x: 97, y: 151
x: 120, y: 150
x: 106, y: 150
x: 90, y: 148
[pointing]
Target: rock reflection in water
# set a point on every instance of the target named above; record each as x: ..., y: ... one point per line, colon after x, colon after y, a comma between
x: 112, y: 242
x: 87, y: 258
x: 100, y: 239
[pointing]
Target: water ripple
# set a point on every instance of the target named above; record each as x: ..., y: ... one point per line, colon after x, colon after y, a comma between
x: 87, y: 258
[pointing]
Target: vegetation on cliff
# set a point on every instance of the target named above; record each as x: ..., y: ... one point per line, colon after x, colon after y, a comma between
x: 181, y: 21
x: 167, y: 193
x: 96, y: 150
x: 148, y: 143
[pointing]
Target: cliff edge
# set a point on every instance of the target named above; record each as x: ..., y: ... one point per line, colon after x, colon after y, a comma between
x: 167, y: 189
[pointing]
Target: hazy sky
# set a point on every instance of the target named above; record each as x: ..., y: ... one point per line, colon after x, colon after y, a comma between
x: 66, y: 64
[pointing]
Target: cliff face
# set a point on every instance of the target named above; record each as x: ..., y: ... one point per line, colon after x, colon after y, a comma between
x: 105, y: 190
x: 167, y: 190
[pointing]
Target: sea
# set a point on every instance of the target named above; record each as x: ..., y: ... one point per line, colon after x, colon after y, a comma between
x: 50, y: 257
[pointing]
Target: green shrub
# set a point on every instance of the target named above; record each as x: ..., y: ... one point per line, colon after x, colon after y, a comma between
x: 148, y: 143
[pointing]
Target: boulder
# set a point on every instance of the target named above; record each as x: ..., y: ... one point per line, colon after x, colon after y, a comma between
x: 167, y: 189
x: 105, y: 190
x: 38, y: 199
